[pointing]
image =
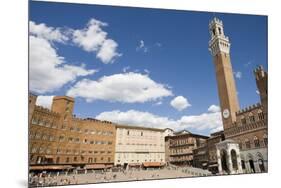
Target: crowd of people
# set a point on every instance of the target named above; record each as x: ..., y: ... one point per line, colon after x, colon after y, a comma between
x: 108, y: 175
x: 41, y: 180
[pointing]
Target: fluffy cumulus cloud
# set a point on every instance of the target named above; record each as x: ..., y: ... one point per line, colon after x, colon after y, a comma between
x: 48, y: 70
x: 94, y: 39
x: 138, y: 118
x: 238, y: 74
x: 201, y: 122
x: 124, y: 87
x: 49, y: 33
x: 205, y: 122
x: 214, y: 108
x: 45, y: 101
x: 180, y: 103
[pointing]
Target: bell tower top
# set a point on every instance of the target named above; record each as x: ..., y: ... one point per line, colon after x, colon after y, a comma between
x: 219, y: 43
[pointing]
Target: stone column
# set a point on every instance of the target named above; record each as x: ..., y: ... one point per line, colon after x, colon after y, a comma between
x: 265, y: 165
x: 229, y: 162
x: 219, y: 161
x: 247, y: 165
x: 257, y: 167
x: 239, y: 163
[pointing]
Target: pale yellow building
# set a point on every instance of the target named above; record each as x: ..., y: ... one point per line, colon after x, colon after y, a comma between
x: 139, y: 146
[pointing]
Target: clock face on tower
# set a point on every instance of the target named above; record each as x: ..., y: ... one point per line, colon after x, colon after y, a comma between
x: 225, y: 113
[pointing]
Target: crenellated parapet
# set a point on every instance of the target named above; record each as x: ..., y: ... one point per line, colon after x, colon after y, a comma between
x: 248, y: 109
x: 46, y: 111
x: 259, y: 72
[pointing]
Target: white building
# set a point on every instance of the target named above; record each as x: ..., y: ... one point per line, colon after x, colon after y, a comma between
x: 139, y: 146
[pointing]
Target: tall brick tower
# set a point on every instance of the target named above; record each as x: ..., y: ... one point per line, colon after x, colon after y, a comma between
x: 31, y: 105
x: 261, y: 81
x: 64, y: 106
x: 219, y: 47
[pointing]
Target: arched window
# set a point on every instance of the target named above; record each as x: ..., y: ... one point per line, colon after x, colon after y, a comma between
x: 265, y: 140
x: 61, y: 138
x: 261, y: 115
x: 34, y: 120
x: 75, y: 159
x: 243, y: 120
x: 38, y: 135
x: 251, y: 118
x: 44, y: 137
x: 41, y: 149
x: 256, y: 142
x: 214, y: 31
x: 90, y: 160
x: 57, y: 160
x: 33, y: 149
x: 58, y: 151
x: 40, y: 121
x: 247, y: 144
x: 219, y: 30
x: 31, y: 135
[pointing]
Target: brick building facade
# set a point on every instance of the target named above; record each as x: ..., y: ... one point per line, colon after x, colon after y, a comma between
x: 181, y: 146
x: 59, y: 140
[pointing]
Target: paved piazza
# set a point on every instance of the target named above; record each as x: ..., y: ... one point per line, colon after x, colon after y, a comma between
x: 127, y: 175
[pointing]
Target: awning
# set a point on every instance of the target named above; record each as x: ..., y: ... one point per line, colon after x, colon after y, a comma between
x: 152, y: 164
x: 51, y: 167
x: 134, y: 164
x: 109, y: 165
x: 95, y: 166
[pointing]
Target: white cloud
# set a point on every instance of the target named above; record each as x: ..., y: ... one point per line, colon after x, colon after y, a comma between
x: 142, y: 47
x: 138, y: 118
x: 248, y: 63
x: 206, y: 122
x: 124, y: 87
x: 238, y: 74
x: 146, y: 71
x: 257, y: 92
x: 48, y: 70
x: 94, y: 39
x: 214, y: 108
x: 108, y: 52
x: 45, y: 101
x: 125, y: 69
x: 180, y: 103
x: 49, y: 33
x: 158, y: 44
x: 158, y: 103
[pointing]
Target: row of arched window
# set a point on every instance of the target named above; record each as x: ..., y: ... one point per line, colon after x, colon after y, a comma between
x: 48, y: 137
x: 45, y: 123
x: 255, y: 143
x: 252, y: 118
x: 47, y: 150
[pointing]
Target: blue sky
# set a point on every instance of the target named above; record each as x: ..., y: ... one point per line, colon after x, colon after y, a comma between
x: 167, y: 49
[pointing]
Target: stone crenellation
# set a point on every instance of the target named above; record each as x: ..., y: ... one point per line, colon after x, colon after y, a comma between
x: 248, y: 109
